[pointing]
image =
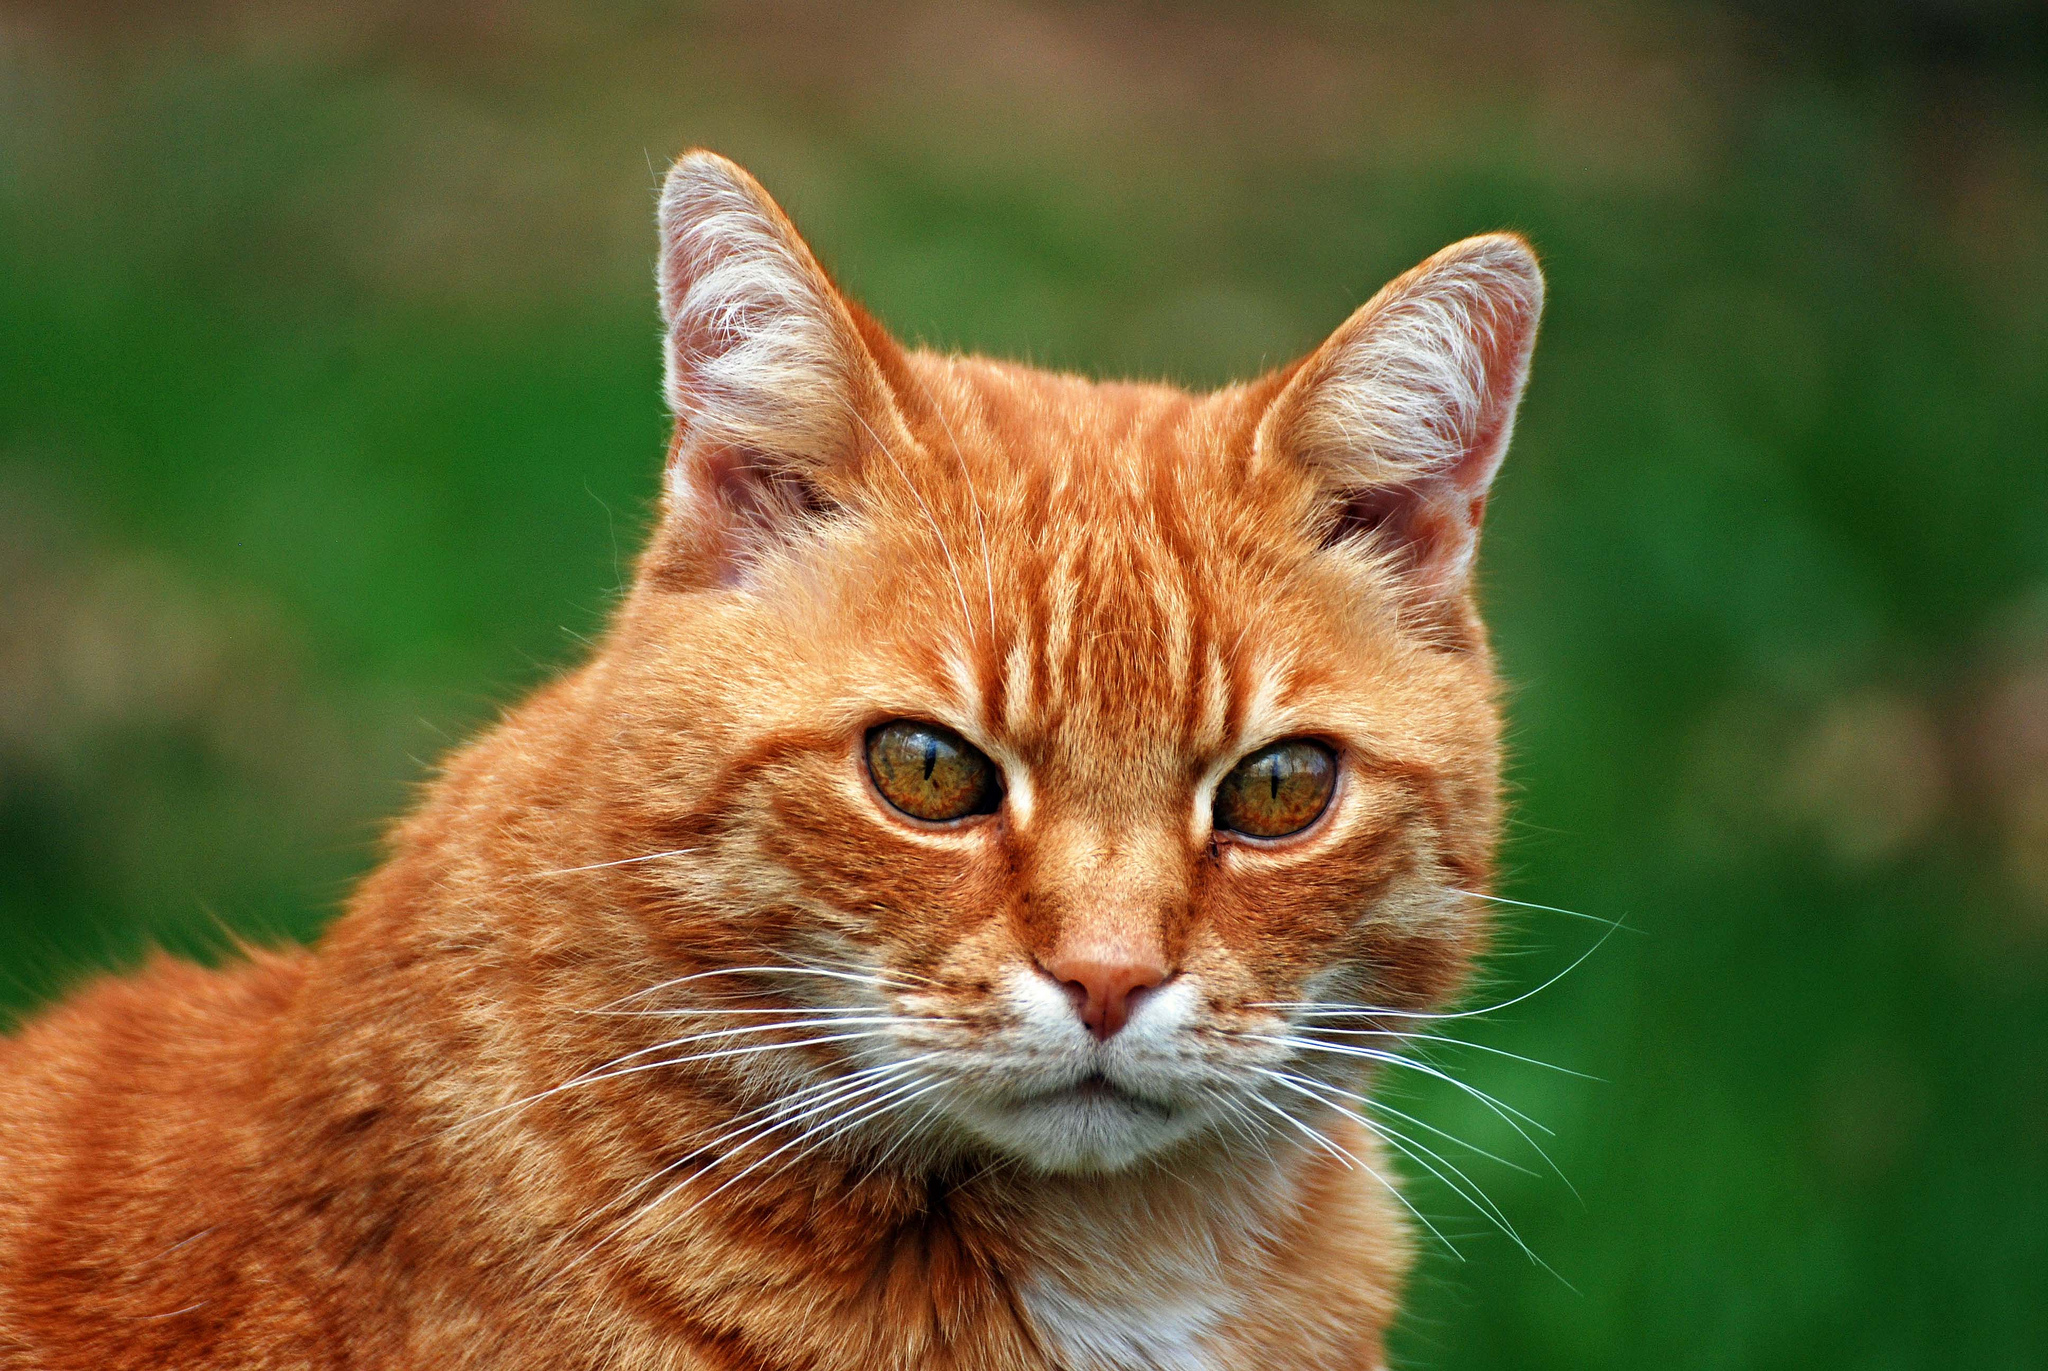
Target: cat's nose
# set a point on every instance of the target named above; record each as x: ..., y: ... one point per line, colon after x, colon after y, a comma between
x: 1105, y: 990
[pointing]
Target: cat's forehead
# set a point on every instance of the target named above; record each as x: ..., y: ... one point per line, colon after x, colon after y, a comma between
x: 1103, y: 573
x: 1092, y: 446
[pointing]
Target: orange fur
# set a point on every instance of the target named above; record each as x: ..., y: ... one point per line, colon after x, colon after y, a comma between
x: 441, y: 1138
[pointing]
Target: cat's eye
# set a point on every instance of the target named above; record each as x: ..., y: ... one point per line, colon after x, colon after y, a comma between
x: 1280, y: 789
x: 932, y: 773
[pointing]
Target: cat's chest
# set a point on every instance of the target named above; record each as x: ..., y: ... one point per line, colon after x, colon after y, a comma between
x: 1124, y: 1281
x: 1122, y: 1324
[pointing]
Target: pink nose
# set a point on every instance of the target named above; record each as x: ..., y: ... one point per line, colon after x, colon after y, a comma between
x: 1105, y: 990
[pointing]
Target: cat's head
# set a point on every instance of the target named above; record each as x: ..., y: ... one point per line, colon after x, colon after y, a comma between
x: 1045, y: 749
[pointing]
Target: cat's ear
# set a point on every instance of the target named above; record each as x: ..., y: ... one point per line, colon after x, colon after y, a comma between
x: 770, y: 378
x: 1405, y: 412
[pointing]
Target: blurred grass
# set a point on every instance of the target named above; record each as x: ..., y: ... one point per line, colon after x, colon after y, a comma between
x: 328, y: 418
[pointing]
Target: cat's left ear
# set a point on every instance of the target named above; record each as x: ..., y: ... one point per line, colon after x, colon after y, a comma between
x: 1404, y: 413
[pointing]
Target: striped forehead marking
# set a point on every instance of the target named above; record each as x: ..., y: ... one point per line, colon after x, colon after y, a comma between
x: 1116, y: 640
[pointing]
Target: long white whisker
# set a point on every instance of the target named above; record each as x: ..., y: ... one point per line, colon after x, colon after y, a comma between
x: 816, y: 1138
x: 755, y: 1134
x: 866, y: 1110
x: 1544, y: 908
x: 1241, y: 1119
x: 706, y: 1012
x: 812, y: 963
x: 908, y: 1133
x: 716, y: 1034
x: 1450, y: 1042
x: 1368, y: 1102
x: 780, y: 1113
x: 1307, y: 1086
x: 601, y: 866
x: 1316, y: 1136
x: 1507, y: 1112
x: 604, y: 1069
x: 1381, y: 1011
x: 855, y: 977
x: 720, y: 1055
x: 1423, y: 1156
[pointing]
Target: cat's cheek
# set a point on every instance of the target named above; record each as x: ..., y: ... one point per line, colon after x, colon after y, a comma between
x: 903, y: 882
x: 1288, y: 923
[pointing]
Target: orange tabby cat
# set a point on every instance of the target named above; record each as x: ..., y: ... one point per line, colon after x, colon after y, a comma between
x: 945, y: 925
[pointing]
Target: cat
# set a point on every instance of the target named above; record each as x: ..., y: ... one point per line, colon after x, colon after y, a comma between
x: 946, y: 923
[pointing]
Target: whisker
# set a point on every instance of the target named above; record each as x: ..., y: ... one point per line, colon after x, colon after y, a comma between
x: 1303, y: 1085
x: 907, y: 1135
x: 720, y: 1055
x: 792, y: 1108
x: 714, y: 1034
x: 1368, y: 1102
x: 756, y: 1134
x: 867, y: 1110
x: 855, y: 977
x: 1544, y: 908
x: 1471, y: 1192
x: 1241, y: 1119
x: 812, y: 963
x: 1439, y: 1038
x: 1341, y: 1154
x: 1507, y: 1112
x: 965, y: 618
x: 713, y: 1011
x: 602, y: 866
x: 1396, y: 1059
x: 980, y: 520
x: 868, y: 1117
x: 1382, y: 1011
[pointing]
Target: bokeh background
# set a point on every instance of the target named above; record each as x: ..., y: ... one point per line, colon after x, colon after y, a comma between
x: 329, y: 424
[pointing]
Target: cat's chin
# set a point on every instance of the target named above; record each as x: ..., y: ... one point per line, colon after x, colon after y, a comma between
x: 1087, y: 1128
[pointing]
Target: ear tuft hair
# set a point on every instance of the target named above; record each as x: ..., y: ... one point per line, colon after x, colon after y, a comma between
x: 1406, y: 411
x: 773, y: 384
x: 759, y: 354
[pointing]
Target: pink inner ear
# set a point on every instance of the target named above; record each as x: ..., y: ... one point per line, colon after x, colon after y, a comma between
x: 1371, y: 511
x: 727, y: 505
x: 1428, y: 526
x: 755, y: 487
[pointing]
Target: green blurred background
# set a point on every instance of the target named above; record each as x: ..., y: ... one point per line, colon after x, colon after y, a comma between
x: 329, y: 419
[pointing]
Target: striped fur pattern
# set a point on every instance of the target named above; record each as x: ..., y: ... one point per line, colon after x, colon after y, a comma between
x: 661, y: 1041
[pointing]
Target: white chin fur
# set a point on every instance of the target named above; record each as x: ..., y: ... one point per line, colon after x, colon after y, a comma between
x: 1041, y: 1117
x: 1074, y: 1135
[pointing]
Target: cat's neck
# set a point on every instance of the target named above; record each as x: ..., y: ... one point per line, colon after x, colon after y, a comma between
x: 1142, y: 1267
x: 1125, y: 1268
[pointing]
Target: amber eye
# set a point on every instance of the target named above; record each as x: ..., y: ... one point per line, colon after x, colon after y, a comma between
x: 1278, y: 790
x: 930, y: 772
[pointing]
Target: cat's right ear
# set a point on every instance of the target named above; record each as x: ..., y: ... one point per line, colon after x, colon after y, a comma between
x: 772, y: 385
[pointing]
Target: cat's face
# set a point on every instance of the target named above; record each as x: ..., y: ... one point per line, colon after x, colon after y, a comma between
x: 1049, y: 747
